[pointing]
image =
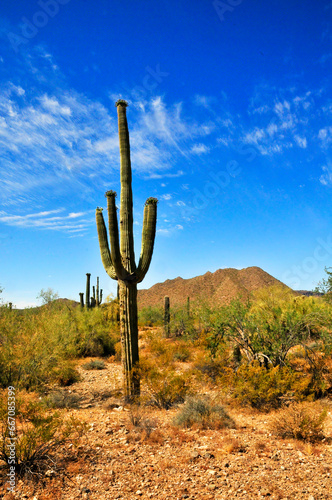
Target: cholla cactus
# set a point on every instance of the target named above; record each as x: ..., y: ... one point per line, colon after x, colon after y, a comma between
x: 119, y: 259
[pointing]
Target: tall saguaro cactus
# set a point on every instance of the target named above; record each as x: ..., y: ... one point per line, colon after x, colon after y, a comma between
x: 87, y: 291
x: 167, y: 317
x: 119, y: 259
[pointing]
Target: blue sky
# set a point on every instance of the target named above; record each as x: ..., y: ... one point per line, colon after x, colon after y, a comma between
x: 230, y: 126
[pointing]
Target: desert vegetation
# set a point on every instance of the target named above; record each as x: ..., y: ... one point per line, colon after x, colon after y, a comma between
x: 267, y: 357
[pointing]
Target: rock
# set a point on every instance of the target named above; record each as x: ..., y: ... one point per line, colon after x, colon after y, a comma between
x: 50, y: 473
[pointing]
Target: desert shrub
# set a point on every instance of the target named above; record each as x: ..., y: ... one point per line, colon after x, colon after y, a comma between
x: 138, y: 419
x: 325, y: 286
x: 165, y: 388
x: 150, y: 316
x: 303, y: 421
x: 37, y: 344
x: 159, y: 348
x: 204, y: 414
x: 94, y: 364
x: 182, y: 324
x: 94, y: 335
x: 268, y: 325
x: 65, y: 374
x: 181, y: 353
x: 264, y: 389
x: 112, y: 310
x: 40, y: 435
x: 61, y: 399
x: 210, y: 368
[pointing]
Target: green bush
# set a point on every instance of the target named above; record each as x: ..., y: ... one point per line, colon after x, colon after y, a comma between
x: 164, y: 388
x: 211, y: 369
x: 181, y: 353
x: 94, y: 364
x: 62, y: 399
x: 268, y: 325
x: 204, y: 414
x: 150, y: 316
x: 38, y: 344
x: 264, y: 389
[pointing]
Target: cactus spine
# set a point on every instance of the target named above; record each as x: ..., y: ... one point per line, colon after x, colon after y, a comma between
x: 167, y: 317
x: 119, y: 259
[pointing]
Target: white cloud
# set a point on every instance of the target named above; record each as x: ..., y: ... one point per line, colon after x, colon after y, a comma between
x: 166, y: 197
x: 200, y: 149
x: 163, y: 232
x: 301, y: 141
x: 286, y: 121
x: 325, y: 136
x: 255, y: 136
x: 71, y: 223
x: 326, y: 177
x: 152, y: 175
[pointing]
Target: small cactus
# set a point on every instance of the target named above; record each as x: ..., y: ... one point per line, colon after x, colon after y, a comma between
x: 93, y: 301
x: 82, y: 300
x: 87, y: 291
x: 167, y: 317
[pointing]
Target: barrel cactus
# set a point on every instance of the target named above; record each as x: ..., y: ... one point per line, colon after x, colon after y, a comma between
x: 119, y: 260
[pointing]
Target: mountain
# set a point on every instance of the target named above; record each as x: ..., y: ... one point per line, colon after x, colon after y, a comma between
x: 215, y: 288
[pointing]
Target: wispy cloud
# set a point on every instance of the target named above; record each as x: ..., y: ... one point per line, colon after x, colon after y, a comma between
x: 179, y: 173
x: 326, y: 177
x: 199, y: 149
x: 70, y: 223
x: 287, y: 119
x: 54, y: 136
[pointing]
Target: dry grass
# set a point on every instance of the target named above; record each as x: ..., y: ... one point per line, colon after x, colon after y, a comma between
x: 303, y: 421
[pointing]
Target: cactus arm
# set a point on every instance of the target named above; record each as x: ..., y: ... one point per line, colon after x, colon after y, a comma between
x: 103, y: 244
x: 119, y: 268
x: 148, y: 237
x: 126, y: 201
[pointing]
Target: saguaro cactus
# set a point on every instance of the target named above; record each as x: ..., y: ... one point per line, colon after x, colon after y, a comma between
x: 87, y: 291
x: 119, y: 258
x: 167, y: 317
x: 96, y: 299
x: 82, y: 300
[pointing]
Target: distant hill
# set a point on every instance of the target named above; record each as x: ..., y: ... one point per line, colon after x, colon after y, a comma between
x: 309, y: 293
x: 219, y: 287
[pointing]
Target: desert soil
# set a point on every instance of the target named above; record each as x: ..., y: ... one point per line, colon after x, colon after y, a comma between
x: 116, y: 460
